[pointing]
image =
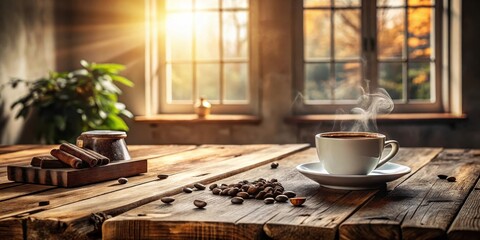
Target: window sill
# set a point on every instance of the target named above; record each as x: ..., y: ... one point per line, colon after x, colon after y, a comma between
x: 382, y: 118
x: 193, y: 118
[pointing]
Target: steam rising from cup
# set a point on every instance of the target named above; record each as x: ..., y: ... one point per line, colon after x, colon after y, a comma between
x: 369, y: 106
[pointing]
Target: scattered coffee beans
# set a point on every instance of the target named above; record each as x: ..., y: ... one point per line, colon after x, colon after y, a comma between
x: 237, y: 200
x: 297, y: 201
x: 269, y: 200
x: 187, y: 190
x: 199, y: 186
x: 167, y: 199
x: 289, y: 194
x: 199, y: 203
x: 243, y: 195
x: 281, y: 198
x: 441, y: 176
x: 451, y: 179
x: 162, y: 176
x: 274, y: 165
x: 260, y: 189
x: 213, y: 186
x: 122, y: 180
x: 216, y: 191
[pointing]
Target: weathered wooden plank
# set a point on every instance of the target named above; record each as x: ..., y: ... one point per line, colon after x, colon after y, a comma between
x: 253, y: 219
x: 15, y: 148
x: 169, y: 164
x: 12, y: 229
x: 75, y: 215
x: 9, y: 185
x: 467, y: 223
x: 21, y: 190
x: 422, y: 207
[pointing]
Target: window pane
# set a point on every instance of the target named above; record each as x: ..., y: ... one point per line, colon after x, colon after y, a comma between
x: 236, y: 81
x: 179, y: 77
x: 235, y: 35
x: 208, y: 81
x: 206, y: 4
x: 419, y: 32
x: 234, y: 3
x: 421, y: 2
x: 391, y: 3
x: 317, y: 82
x: 317, y: 27
x: 207, y: 36
x: 390, y: 32
x: 179, y: 4
x: 316, y: 3
x: 347, y: 33
x: 419, y: 81
x: 348, y: 81
x: 347, y: 3
x: 390, y: 78
x: 179, y: 36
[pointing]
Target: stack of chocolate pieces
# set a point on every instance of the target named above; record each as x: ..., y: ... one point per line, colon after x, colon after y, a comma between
x: 70, y: 156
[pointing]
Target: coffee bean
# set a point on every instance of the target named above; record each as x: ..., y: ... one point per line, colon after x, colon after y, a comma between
x: 237, y: 200
x: 212, y: 186
x: 199, y: 186
x: 274, y: 165
x: 162, y: 176
x: 252, y: 190
x: 281, y: 198
x: 122, y: 180
x: 260, y: 195
x: 297, y: 201
x: 289, y: 194
x: 216, y: 191
x: 43, y: 203
x: 269, y: 200
x: 167, y: 199
x: 243, y: 195
x: 268, y: 190
x: 233, y: 192
x: 225, y: 192
x: 223, y: 186
x: 245, y: 187
x: 269, y: 195
x: 199, y: 203
x: 273, y: 180
x: 187, y: 190
x: 245, y: 181
x: 142, y: 214
x: 441, y: 176
x: 238, y: 185
x: 451, y: 179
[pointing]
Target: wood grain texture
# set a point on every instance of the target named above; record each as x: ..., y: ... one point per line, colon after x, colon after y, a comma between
x: 324, y: 210
x: 467, y: 222
x: 69, y: 177
x: 77, y: 222
x: 422, y: 207
x: 11, y: 229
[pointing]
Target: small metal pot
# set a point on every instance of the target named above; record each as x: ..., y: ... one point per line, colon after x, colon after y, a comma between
x: 111, y: 144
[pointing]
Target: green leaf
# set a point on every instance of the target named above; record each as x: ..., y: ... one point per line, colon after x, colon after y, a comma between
x: 122, y: 80
x: 108, y: 67
x: 84, y: 64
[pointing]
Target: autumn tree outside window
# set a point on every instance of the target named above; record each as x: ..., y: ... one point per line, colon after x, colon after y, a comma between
x: 343, y: 46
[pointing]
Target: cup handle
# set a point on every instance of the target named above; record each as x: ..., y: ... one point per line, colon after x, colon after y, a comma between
x: 390, y: 155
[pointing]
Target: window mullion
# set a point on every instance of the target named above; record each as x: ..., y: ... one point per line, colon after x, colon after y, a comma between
x: 222, y: 62
x: 332, y: 51
x: 406, y: 94
x: 194, y: 56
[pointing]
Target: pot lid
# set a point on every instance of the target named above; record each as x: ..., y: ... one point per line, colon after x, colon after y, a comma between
x: 104, y: 134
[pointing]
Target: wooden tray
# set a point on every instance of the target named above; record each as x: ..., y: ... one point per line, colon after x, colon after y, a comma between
x: 69, y: 177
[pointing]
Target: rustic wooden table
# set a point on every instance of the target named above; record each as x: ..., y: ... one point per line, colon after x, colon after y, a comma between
x: 417, y: 206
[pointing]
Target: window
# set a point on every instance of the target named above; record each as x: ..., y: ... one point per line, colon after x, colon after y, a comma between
x: 343, y: 46
x: 204, y: 50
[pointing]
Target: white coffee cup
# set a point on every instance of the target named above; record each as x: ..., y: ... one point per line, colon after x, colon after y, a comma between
x: 353, y: 153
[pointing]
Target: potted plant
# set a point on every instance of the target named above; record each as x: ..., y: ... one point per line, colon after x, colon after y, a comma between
x: 65, y: 104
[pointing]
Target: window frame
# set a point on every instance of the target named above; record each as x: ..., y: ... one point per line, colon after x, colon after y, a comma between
x: 156, y: 79
x: 369, y: 52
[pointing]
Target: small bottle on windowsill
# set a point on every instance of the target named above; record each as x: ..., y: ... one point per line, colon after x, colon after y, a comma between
x: 202, y: 108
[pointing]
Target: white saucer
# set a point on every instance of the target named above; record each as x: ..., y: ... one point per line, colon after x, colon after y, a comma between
x: 377, y: 178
